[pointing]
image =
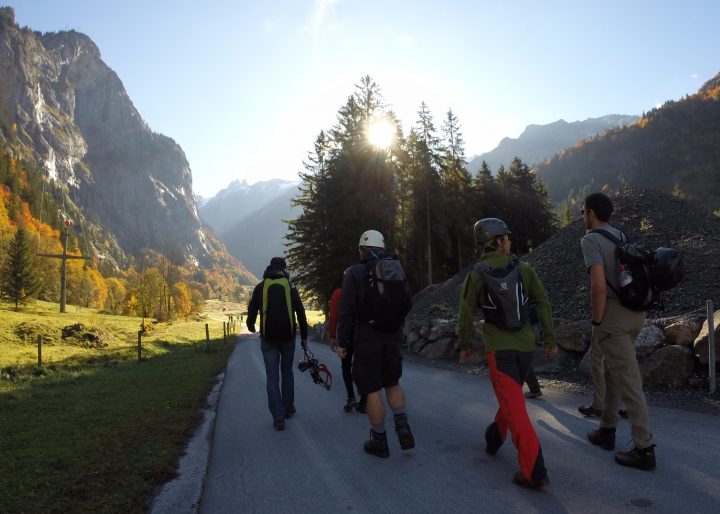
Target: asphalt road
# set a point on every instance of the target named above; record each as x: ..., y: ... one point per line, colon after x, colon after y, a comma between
x: 317, y: 464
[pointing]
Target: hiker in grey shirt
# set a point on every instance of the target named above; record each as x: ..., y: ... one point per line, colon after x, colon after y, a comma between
x: 615, y: 328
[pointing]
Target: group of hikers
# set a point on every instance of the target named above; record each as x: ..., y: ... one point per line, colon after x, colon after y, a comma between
x: 366, y: 318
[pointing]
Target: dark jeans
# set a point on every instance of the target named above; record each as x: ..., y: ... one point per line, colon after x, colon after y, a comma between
x: 531, y: 380
x: 278, y: 359
x: 346, y: 366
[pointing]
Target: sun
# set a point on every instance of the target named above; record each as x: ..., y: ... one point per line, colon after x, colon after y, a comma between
x: 381, y: 132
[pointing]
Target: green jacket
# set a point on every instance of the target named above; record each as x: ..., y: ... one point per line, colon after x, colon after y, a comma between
x: 496, y: 338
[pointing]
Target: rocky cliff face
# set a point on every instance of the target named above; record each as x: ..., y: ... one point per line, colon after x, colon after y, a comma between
x: 73, y: 114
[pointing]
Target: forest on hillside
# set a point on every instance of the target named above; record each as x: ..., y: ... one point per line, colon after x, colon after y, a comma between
x: 416, y: 190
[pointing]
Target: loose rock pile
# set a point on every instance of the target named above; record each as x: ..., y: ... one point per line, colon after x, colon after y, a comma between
x: 671, y: 347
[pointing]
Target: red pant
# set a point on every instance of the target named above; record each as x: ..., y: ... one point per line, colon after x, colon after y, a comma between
x: 507, y: 374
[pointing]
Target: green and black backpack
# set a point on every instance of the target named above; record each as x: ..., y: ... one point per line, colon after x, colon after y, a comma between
x: 277, y: 311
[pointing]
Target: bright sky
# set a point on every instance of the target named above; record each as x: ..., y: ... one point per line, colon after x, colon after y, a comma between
x: 245, y: 86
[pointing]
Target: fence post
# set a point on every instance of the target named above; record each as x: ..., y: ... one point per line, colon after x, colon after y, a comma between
x: 207, y: 337
x: 139, y: 346
x: 226, y: 329
x: 39, y: 351
x: 711, y: 346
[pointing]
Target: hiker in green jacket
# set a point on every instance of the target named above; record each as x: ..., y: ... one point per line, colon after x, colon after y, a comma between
x: 502, y: 286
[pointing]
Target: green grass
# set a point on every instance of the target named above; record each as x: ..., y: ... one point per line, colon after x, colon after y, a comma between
x: 94, y: 430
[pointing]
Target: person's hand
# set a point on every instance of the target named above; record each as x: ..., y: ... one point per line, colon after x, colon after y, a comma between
x: 550, y: 352
x: 342, y: 352
x: 251, y: 328
x: 465, y: 355
x: 333, y: 345
x: 303, y: 343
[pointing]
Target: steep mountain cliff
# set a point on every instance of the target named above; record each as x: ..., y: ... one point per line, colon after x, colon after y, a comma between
x: 63, y: 105
x: 540, y: 142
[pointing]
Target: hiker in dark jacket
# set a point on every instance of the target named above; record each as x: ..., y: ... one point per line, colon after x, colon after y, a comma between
x: 509, y: 352
x: 377, y: 362
x: 278, y: 327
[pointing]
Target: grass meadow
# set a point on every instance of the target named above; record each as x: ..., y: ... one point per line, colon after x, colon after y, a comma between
x: 93, y: 429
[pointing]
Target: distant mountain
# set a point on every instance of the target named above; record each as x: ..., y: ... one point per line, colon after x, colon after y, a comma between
x: 260, y: 235
x: 62, y: 107
x: 676, y: 146
x: 540, y: 142
x: 223, y: 211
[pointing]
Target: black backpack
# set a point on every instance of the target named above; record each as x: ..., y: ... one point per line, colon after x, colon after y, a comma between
x: 387, y: 294
x: 504, y: 302
x: 649, y: 272
x: 277, y: 310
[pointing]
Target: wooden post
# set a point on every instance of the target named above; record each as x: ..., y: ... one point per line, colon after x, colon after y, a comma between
x: 39, y: 351
x: 225, y: 331
x: 207, y: 337
x: 711, y: 346
x: 139, y: 348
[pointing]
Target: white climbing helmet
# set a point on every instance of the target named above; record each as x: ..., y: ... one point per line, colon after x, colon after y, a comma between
x: 372, y: 238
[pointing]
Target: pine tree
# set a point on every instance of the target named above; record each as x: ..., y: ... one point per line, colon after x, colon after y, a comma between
x: 19, y: 282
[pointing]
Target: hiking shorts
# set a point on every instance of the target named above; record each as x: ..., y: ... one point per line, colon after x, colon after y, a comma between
x: 377, y: 362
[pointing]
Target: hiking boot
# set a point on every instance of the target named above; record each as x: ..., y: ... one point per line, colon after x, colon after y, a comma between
x: 603, y: 437
x: 623, y: 413
x: 377, y: 444
x: 289, y: 413
x: 407, y: 441
x: 590, y: 411
x: 279, y: 424
x: 533, y: 394
x: 350, y: 405
x: 493, y: 441
x: 520, y: 480
x: 640, y: 458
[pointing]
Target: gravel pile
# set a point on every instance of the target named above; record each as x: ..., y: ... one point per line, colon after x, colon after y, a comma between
x: 651, y: 217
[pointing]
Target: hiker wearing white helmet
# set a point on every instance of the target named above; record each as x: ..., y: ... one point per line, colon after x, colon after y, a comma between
x: 375, y: 300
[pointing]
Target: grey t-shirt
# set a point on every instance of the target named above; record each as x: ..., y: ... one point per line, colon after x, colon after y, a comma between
x: 598, y: 249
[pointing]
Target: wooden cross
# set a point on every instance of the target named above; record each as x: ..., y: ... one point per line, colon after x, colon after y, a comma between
x: 64, y: 256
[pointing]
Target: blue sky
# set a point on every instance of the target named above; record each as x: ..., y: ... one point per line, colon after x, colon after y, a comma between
x: 245, y: 86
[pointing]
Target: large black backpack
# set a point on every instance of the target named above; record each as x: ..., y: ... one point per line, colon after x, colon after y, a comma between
x: 650, y: 272
x: 277, y: 310
x: 504, y: 302
x: 387, y: 294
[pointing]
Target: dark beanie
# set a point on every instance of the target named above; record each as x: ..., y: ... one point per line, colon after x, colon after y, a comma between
x: 278, y: 262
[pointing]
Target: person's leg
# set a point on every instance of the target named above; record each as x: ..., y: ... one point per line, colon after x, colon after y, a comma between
x: 346, y: 366
x: 532, y: 382
x: 287, y: 355
x: 506, y: 374
x: 271, y: 357
x: 367, y: 374
x: 597, y: 372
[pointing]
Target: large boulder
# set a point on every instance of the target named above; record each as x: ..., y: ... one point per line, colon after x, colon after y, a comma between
x: 439, y: 349
x: 682, y: 332
x: 669, y: 366
x: 573, y: 335
x: 650, y: 339
x: 701, y: 342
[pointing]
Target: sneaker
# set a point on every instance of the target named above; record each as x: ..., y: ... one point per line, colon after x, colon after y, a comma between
x: 533, y: 394
x: 590, y: 411
x: 350, y: 405
x: 402, y: 429
x: 377, y: 444
x: 279, y: 424
x: 493, y: 441
x: 640, y: 458
x: 603, y: 437
x: 623, y: 414
x: 289, y: 413
x: 520, y: 480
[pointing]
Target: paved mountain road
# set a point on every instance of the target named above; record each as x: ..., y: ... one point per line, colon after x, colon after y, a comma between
x: 317, y: 464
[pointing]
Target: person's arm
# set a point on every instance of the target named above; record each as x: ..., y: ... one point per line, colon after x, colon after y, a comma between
x: 300, y: 312
x: 348, y: 310
x: 598, y: 293
x: 254, y: 307
x: 539, y: 298
x: 333, y: 313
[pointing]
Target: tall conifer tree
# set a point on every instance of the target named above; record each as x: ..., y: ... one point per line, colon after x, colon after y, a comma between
x: 19, y: 282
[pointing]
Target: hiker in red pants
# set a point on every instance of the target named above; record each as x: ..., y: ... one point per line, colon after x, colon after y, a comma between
x: 503, y: 287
